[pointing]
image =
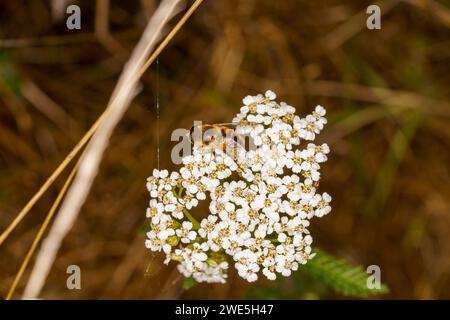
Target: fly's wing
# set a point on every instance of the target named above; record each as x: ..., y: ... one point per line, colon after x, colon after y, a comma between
x: 219, y: 135
x: 209, y: 132
x: 234, y: 136
x: 242, y: 141
x: 234, y: 144
x: 230, y: 125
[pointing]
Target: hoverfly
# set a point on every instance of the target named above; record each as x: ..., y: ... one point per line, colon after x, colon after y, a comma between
x: 220, y: 136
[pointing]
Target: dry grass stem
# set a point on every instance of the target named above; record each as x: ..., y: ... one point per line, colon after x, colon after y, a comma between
x: 124, y: 92
x: 41, y: 232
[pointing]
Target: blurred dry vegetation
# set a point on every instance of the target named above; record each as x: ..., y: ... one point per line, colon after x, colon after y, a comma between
x: 386, y: 92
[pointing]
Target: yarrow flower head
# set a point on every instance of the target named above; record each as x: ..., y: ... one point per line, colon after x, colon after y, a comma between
x: 261, y: 201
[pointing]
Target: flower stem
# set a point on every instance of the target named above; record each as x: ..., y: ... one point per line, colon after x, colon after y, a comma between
x: 195, y: 223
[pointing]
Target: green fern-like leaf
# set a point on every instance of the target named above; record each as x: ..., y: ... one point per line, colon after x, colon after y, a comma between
x: 342, y: 277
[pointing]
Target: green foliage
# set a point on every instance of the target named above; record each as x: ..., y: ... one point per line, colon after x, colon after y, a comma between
x: 342, y: 277
x: 144, y: 228
x: 313, y: 280
x: 397, y: 151
x: 188, y: 283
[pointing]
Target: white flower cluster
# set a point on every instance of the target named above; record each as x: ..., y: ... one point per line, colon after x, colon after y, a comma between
x: 261, y: 199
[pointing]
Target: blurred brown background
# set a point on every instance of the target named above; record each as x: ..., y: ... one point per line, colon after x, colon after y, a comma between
x: 386, y: 92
